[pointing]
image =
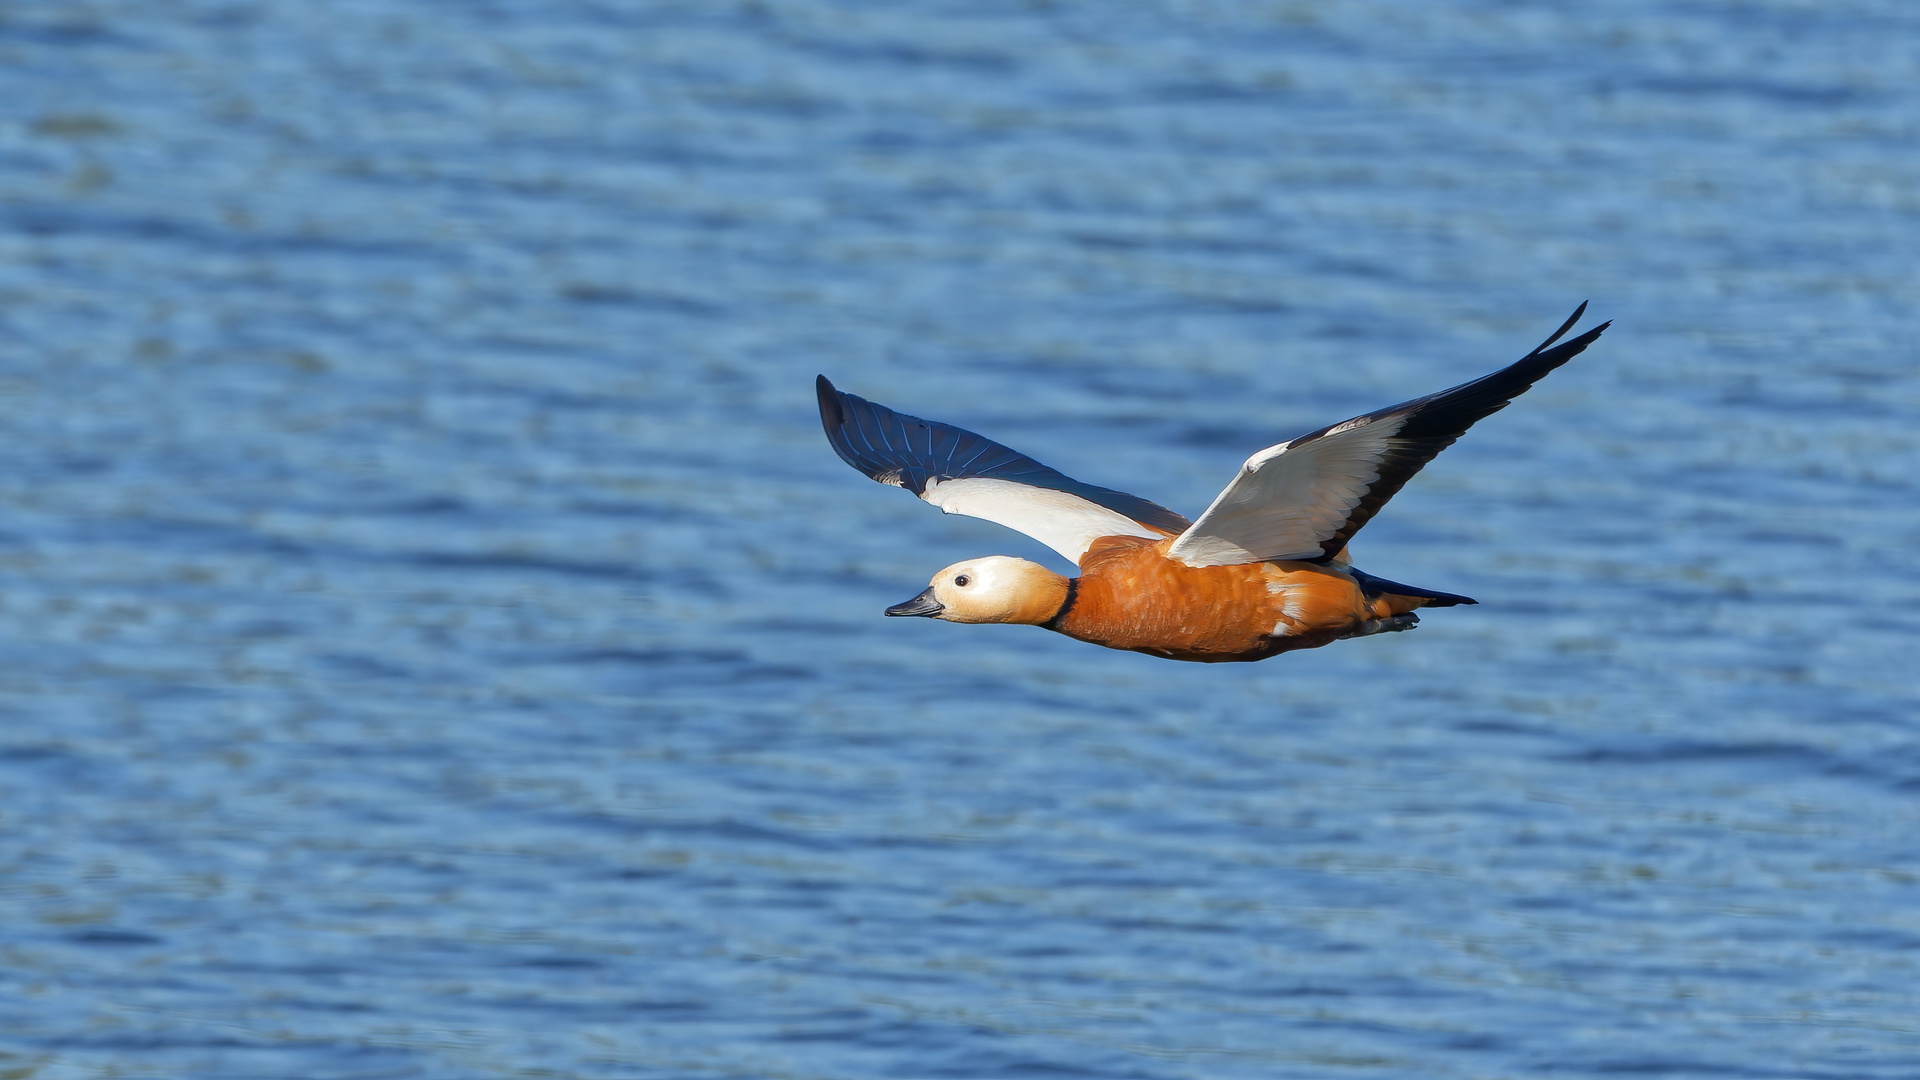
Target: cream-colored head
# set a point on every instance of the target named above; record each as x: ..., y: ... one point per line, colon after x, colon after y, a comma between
x: 997, y: 588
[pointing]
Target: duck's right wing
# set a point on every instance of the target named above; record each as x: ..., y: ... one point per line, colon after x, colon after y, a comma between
x: 1306, y: 498
x: 963, y: 473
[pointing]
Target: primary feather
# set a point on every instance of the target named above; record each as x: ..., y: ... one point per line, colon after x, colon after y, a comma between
x: 1306, y: 498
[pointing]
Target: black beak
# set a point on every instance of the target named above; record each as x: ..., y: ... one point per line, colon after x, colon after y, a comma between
x: 924, y: 604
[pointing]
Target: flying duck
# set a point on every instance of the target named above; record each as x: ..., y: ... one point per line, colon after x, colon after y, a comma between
x: 1263, y: 571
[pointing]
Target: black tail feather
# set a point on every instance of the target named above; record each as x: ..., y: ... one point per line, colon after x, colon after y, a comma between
x: 1371, y: 587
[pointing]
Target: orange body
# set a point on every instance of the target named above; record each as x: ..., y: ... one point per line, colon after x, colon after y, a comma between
x: 1130, y: 595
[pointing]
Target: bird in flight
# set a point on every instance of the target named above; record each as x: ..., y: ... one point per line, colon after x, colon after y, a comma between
x: 1263, y: 571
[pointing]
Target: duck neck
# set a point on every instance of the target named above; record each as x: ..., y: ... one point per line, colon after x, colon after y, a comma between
x: 1069, y: 593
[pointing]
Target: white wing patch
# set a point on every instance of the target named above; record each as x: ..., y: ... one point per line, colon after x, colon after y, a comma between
x: 1066, y: 523
x: 1287, y: 499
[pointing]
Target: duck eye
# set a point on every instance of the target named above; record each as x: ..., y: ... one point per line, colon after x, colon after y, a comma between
x: 961, y: 581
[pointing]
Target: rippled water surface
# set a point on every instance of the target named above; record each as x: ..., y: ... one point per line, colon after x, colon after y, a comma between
x: 438, y: 641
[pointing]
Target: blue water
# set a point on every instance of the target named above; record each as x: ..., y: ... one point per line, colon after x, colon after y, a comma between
x: 438, y: 641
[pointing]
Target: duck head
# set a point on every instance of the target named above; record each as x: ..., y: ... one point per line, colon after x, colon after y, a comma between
x: 994, y: 589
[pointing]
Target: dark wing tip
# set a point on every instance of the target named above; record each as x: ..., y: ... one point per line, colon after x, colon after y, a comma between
x: 1552, y: 358
x: 1564, y: 327
x: 833, y: 420
x: 830, y: 414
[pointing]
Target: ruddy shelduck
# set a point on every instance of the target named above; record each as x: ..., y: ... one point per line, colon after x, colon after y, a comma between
x: 1263, y: 571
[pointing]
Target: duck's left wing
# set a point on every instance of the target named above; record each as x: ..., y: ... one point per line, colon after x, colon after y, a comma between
x: 963, y: 473
x: 1306, y: 498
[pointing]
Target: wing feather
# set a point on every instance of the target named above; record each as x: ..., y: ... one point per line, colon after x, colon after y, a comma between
x: 1306, y: 498
x: 964, y: 473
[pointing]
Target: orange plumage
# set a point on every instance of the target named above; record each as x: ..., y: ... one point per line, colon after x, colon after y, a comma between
x: 1130, y: 595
